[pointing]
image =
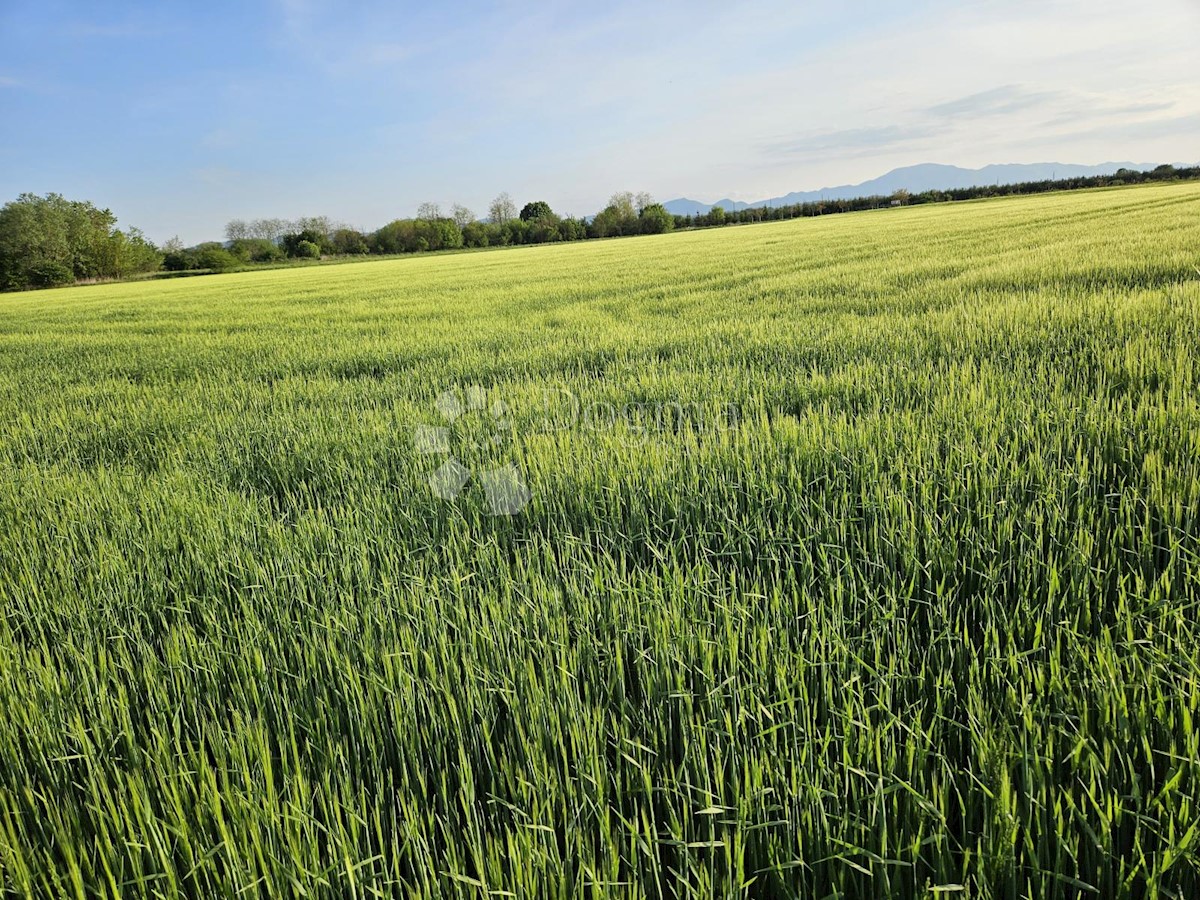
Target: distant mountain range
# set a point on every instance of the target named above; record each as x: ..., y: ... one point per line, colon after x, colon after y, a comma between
x: 915, y: 179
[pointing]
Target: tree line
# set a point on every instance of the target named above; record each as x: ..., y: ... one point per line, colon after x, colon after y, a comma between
x: 273, y: 240
x: 719, y: 216
x: 47, y: 241
x: 50, y: 240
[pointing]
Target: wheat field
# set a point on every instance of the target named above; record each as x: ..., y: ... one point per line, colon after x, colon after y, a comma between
x: 844, y: 557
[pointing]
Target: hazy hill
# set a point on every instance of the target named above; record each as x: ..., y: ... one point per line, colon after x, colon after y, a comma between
x: 925, y: 177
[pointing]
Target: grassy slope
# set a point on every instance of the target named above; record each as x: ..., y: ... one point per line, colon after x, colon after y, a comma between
x: 924, y: 615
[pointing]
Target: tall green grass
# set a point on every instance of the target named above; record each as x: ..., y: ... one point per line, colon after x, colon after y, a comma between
x: 918, y: 619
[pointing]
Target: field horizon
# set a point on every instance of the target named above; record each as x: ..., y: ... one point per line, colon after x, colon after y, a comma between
x: 844, y: 556
x: 342, y: 259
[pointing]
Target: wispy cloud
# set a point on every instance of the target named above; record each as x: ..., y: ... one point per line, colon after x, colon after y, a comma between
x: 987, y: 116
x: 1187, y: 125
x: 1008, y: 98
x: 359, y: 39
x: 400, y: 102
x: 853, y: 140
x: 1063, y: 104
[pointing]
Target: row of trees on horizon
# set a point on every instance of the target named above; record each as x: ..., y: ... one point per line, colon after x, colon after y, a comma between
x: 312, y: 237
x: 48, y: 241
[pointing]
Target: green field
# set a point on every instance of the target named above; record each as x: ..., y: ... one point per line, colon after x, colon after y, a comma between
x: 861, y: 559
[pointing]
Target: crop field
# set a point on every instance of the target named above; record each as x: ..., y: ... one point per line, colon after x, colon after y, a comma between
x: 843, y: 557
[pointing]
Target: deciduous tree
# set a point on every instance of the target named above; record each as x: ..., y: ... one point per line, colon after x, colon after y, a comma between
x: 538, y: 209
x: 502, y: 209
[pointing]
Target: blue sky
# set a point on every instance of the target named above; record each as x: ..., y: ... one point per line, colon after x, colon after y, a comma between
x: 180, y: 116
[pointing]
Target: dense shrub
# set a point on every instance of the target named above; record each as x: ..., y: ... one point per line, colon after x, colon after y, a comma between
x: 215, y: 258
x: 257, y: 250
x: 348, y: 242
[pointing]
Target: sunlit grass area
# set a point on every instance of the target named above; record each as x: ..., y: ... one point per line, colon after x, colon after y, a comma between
x: 861, y: 558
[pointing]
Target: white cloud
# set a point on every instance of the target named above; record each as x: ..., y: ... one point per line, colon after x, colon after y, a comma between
x: 704, y: 99
x: 983, y: 83
x: 569, y: 102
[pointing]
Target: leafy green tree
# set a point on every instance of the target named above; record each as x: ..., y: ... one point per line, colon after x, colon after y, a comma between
x: 538, y: 209
x: 291, y: 242
x: 623, y: 204
x: 177, y: 258
x: 544, y: 231
x: 257, y: 250
x: 416, y: 235
x: 716, y: 215
x: 50, y: 240
x: 655, y: 219
x: 619, y: 217
x: 134, y: 254
x: 445, y: 235
x: 320, y: 229
x: 308, y: 250
x: 394, y: 237
x: 606, y: 223
x: 515, y: 231
x: 348, y: 242
x: 214, y: 257
x: 572, y: 229
x: 476, y: 234
x: 541, y: 224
